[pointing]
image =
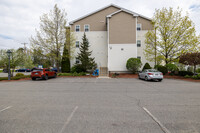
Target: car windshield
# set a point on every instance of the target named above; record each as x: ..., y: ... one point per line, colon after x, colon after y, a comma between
x: 152, y: 70
x: 36, y: 70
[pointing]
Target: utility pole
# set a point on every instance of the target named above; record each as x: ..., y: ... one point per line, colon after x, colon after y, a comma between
x: 24, y: 46
x: 155, y: 46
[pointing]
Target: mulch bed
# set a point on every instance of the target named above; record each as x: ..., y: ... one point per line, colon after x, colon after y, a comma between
x: 128, y: 75
x: 180, y: 78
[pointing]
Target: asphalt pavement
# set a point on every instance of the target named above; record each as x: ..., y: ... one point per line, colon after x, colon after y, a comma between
x: 93, y: 105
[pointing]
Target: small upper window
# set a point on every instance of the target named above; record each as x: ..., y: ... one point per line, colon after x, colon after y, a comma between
x: 77, y: 44
x: 139, y: 57
x: 77, y: 28
x: 86, y: 28
x: 77, y: 61
x: 139, y: 26
x: 138, y: 43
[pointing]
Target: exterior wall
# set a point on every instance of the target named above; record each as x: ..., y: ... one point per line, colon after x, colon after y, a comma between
x: 146, y: 24
x: 98, y: 46
x: 122, y: 29
x: 117, y: 57
x: 140, y: 50
x: 97, y: 21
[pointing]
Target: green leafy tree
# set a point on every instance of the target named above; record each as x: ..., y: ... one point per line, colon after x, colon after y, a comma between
x: 133, y: 64
x: 68, y: 51
x: 146, y: 66
x: 172, y: 67
x: 51, y: 36
x: 16, y: 59
x: 172, y: 35
x: 87, y: 62
x: 192, y: 59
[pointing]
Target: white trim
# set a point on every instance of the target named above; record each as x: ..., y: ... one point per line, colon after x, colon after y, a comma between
x: 88, y: 27
x: 79, y: 28
x: 120, y: 8
x: 140, y: 26
x: 136, y: 17
x: 108, y: 43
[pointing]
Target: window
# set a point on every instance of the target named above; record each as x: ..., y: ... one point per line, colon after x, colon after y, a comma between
x: 138, y: 43
x: 139, y: 26
x: 86, y: 28
x: 77, y: 61
x: 77, y: 44
x: 139, y: 57
x: 77, y: 28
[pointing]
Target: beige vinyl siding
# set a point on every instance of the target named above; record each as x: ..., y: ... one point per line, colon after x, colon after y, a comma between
x: 122, y: 29
x: 146, y: 24
x: 97, y: 21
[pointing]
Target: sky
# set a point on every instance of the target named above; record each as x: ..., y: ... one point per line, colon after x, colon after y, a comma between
x: 20, y: 18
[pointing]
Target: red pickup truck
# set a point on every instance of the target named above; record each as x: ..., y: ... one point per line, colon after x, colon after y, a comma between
x: 43, y: 73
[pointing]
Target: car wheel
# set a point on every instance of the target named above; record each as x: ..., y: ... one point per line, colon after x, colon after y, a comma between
x: 46, y: 77
x: 33, y: 78
x: 146, y: 78
x: 55, y: 75
x: 160, y: 80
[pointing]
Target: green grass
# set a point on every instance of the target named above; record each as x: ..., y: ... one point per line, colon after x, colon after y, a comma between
x: 72, y: 74
x: 1, y: 71
x: 15, y: 77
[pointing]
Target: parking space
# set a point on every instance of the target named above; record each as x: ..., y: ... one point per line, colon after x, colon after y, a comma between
x: 85, y: 105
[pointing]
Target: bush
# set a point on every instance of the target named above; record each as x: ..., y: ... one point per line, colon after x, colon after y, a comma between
x: 161, y: 68
x: 3, y: 78
x: 146, y: 66
x: 198, y: 70
x: 184, y: 73
x: 19, y: 75
x: 133, y: 64
x: 72, y: 74
x: 187, y: 76
x: 172, y: 67
x: 77, y: 68
x: 196, y: 77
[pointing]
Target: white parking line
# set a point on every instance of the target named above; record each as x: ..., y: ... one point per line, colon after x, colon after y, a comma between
x: 164, y: 129
x: 68, y: 119
x: 5, y: 108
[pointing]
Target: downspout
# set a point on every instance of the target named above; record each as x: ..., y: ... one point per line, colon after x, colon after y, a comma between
x: 108, y: 43
x: 136, y: 16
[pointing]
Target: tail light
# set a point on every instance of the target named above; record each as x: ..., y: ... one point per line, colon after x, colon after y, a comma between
x: 150, y: 73
x: 161, y: 73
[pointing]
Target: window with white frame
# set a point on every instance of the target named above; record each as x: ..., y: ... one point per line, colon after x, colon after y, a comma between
x: 77, y: 61
x: 138, y: 43
x: 139, y: 57
x: 77, y: 28
x: 139, y: 26
x: 86, y: 28
x: 77, y: 44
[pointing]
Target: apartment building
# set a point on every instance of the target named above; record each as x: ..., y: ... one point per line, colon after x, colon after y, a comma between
x: 115, y: 34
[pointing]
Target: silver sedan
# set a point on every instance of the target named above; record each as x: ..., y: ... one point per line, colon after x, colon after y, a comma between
x: 151, y: 74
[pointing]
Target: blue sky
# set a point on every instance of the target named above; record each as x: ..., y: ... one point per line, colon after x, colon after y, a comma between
x: 20, y: 18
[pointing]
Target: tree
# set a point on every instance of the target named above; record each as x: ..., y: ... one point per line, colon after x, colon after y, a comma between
x: 172, y: 35
x: 65, y: 64
x: 68, y: 51
x: 146, y: 66
x: 192, y: 59
x: 16, y: 59
x: 51, y: 37
x: 87, y: 62
x: 133, y: 64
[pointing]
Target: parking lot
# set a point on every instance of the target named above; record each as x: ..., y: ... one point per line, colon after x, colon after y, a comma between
x: 94, y: 105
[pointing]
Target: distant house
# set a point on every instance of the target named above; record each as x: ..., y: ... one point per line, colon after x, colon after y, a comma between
x: 115, y: 35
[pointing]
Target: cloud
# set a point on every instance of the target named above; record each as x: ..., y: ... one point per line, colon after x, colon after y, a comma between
x: 19, y: 18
